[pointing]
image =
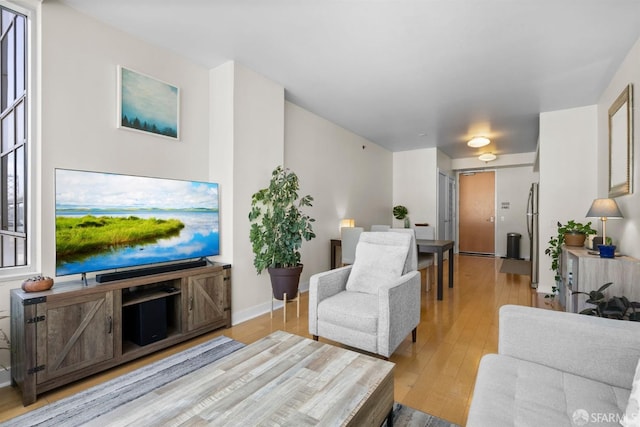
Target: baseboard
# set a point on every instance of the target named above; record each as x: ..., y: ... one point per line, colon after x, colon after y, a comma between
x: 544, y: 289
x: 240, y: 316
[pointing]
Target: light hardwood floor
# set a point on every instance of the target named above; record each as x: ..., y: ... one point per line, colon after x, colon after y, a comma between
x: 435, y: 375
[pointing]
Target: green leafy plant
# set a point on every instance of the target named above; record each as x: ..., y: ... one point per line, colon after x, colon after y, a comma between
x: 278, y: 224
x: 612, y: 308
x: 400, y: 212
x: 554, y: 250
x: 576, y: 228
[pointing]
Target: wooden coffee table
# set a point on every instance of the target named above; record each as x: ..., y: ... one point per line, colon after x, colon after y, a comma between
x: 282, y: 379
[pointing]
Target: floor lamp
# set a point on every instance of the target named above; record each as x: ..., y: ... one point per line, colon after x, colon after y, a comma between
x: 603, y: 209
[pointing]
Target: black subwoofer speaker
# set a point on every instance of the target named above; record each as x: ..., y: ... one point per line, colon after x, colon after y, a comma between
x: 146, y: 322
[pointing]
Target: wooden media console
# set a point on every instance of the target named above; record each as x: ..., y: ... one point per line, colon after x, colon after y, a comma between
x: 73, y: 331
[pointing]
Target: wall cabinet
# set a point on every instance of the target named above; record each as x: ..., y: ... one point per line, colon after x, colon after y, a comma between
x: 72, y: 331
x: 583, y: 271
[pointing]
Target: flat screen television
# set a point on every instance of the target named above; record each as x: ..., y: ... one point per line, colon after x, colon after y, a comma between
x: 107, y: 221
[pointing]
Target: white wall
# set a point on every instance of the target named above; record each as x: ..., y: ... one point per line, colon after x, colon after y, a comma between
x: 625, y: 232
x: 512, y: 188
x: 568, y: 178
x: 247, y: 143
x: 415, y: 185
x: 348, y: 176
x: 251, y: 120
x: 221, y: 124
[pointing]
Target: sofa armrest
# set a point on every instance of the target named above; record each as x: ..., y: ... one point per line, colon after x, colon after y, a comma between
x: 604, y: 350
x: 399, y: 308
x: 322, y: 286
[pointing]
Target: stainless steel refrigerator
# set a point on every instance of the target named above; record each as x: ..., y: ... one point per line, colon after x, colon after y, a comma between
x: 532, y: 229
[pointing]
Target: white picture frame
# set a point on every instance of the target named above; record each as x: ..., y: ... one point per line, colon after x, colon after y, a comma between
x: 148, y: 105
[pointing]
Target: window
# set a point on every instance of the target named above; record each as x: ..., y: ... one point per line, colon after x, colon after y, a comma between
x: 13, y: 138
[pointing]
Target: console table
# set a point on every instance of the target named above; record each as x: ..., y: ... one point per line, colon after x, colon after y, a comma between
x: 73, y: 331
x: 582, y: 271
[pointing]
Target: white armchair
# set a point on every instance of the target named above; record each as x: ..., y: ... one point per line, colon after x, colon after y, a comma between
x: 374, y: 303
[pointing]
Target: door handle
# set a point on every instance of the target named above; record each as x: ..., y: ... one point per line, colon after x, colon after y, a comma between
x: 491, y: 219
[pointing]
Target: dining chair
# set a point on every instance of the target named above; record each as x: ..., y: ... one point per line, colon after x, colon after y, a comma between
x: 349, y: 237
x: 380, y: 227
x: 426, y: 261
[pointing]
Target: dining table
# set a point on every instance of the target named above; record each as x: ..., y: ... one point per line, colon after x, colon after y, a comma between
x: 438, y: 247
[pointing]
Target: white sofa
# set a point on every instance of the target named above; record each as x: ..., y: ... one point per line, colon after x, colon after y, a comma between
x: 557, y: 369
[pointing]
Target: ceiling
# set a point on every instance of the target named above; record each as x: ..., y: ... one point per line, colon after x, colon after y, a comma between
x: 404, y: 74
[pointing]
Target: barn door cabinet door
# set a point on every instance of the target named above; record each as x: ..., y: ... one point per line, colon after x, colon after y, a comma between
x: 209, y: 300
x: 76, y: 333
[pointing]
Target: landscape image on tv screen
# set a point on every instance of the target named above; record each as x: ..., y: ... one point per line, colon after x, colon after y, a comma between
x: 107, y: 221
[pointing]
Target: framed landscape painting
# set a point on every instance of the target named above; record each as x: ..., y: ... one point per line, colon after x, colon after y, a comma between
x: 146, y: 104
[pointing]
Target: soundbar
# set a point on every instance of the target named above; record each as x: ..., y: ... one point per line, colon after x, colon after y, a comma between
x: 139, y: 272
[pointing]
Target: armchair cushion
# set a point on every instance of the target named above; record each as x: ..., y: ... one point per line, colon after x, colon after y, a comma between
x: 353, y: 310
x: 380, y: 260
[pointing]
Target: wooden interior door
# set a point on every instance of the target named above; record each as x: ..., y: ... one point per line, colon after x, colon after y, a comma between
x: 477, y: 212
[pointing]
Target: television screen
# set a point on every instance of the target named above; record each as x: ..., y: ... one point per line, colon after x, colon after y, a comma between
x: 107, y: 221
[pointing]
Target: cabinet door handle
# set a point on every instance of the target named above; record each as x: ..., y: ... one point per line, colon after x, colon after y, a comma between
x: 190, y: 303
x: 110, y: 322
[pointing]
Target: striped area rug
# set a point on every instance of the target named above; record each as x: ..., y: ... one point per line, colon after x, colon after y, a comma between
x: 82, y: 407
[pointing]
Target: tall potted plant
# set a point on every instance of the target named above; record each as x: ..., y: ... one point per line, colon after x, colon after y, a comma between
x: 278, y: 228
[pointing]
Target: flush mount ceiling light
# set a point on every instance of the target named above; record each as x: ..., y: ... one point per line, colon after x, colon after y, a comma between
x: 487, y: 157
x: 478, y: 141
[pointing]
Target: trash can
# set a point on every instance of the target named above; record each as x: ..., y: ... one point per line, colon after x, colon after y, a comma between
x: 513, y: 245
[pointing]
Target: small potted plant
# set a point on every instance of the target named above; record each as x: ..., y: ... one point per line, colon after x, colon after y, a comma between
x: 576, y: 233
x: 400, y: 212
x: 278, y: 228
